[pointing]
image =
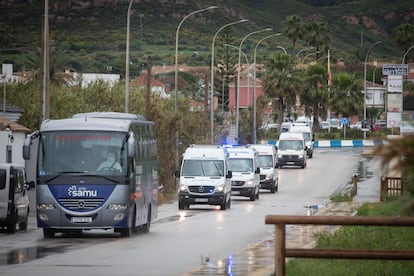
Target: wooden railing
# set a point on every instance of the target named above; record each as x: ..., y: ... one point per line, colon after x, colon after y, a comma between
x: 281, y: 252
x: 391, y: 186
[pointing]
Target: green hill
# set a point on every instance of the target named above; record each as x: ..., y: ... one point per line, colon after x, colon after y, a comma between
x: 90, y: 36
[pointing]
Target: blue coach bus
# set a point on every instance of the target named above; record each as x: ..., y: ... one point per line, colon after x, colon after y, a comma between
x: 95, y: 170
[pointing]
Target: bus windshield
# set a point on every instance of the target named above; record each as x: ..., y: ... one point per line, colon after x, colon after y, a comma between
x: 85, y: 152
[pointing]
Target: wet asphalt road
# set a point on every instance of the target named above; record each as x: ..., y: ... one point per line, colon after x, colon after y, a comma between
x: 199, y: 241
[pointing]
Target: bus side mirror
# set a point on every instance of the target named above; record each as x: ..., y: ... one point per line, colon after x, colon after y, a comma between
x: 26, y: 152
x: 26, y: 148
x: 28, y: 143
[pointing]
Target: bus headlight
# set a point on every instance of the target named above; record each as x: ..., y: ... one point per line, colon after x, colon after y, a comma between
x: 117, y: 207
x: 45, y: 206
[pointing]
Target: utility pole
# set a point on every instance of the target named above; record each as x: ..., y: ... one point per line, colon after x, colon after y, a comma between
x: 45, y: 67
x: 148, y: 90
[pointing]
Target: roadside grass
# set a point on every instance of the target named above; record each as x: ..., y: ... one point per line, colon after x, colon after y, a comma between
x: 363, y: 237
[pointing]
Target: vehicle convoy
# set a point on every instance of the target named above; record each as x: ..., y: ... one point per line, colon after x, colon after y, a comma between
x: 269, y: 178
x: 14, y: 198
x: 244, y: 164
x: 307, y: 135
x: 74, y: 195
x: 291, y: 150
x: 204, y: 177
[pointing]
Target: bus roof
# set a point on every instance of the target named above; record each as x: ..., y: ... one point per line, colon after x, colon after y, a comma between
x: 110, y: 115
x: 93, y: 121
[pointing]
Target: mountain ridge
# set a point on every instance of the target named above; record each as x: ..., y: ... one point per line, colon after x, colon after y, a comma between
x: 97, y: 28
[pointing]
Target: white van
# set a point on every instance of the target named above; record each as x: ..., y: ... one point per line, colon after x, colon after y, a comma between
x: 305, y: 128
x: 269, y: 178
x: 204, y: 177
x: 14, y: 197
x: 244, y: 165
x: 291, y: 150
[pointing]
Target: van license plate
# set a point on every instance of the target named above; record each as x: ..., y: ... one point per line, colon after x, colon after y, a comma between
x: 81, y: 219
x: 201, y: 199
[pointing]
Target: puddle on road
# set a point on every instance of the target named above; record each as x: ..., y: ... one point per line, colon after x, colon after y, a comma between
x: 363, y: 170
x: 24, y: 255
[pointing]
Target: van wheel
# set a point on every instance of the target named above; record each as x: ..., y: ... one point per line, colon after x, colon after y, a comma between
x: 223, y: 206
x: 182, y: 206
x: 273, y: 189
x: 11, y: 226
x: 228, y: 203
x: 253, y: 196
x: 23, y: 225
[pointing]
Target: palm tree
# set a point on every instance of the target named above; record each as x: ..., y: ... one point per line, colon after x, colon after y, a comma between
x: 293, y: 30
x: 281, y: 83
x: 34, y: 59
x: 318, y: 36
x: 315, y: 97
x: 405, y: 35
x: 346, y: 97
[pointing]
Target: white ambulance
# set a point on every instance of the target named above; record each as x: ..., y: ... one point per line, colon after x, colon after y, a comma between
x: 291, y: 150
x: 269, y: 178
x: 305, y: 128
x: 244, y: 165
x: 204, y: 177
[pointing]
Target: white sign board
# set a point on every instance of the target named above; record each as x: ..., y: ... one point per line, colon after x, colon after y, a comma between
x: 394, y: 69
x: 393, y: 119
x: 395, y: 83
x: 394, y: 102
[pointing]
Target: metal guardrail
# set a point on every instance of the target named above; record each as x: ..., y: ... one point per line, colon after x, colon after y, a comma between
x: 281, y: 252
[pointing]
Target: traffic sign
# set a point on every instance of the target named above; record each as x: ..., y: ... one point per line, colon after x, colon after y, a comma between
x: 345, y: 121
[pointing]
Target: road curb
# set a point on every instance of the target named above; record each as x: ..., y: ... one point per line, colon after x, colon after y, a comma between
x: 347, y: 143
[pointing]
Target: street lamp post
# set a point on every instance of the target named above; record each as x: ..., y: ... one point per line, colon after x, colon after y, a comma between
x: 176, y: 73
x: 406, y: 53
x: 283, y: 49
x: 303, y: 60
x: 254, y: 82
x: 365, y: 83
x: 176, y: 50
x: 238, y: 78
x: 127, y: 58
x: 212, y: 76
